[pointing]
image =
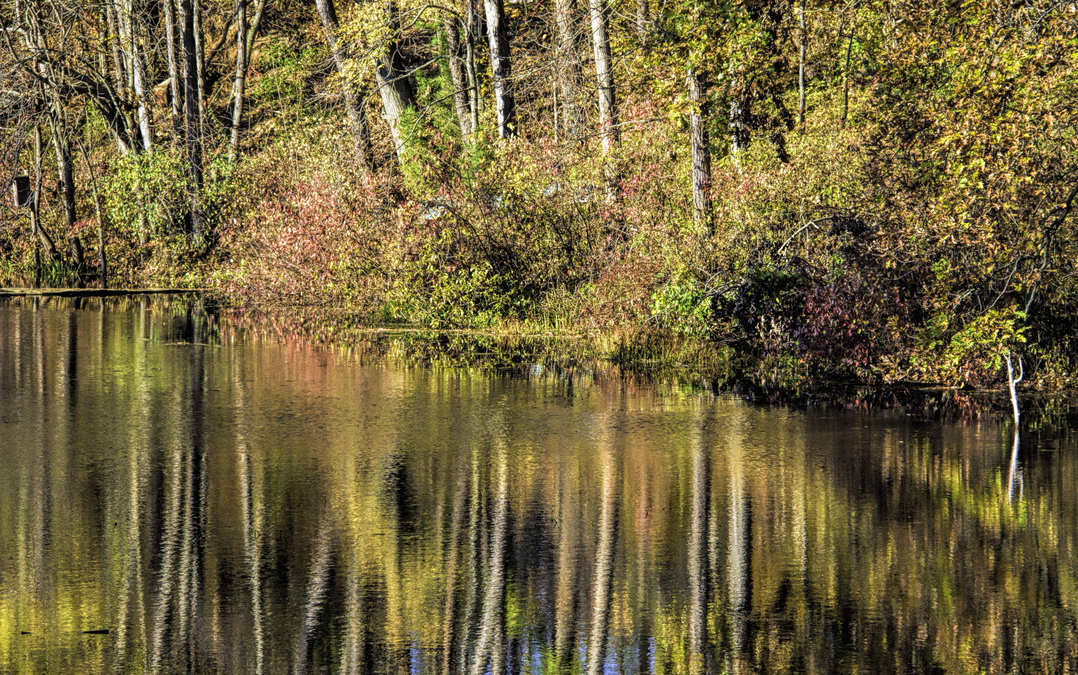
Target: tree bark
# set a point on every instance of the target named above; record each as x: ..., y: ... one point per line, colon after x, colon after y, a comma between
x: 102, y: 267
x: 801, y: 70
x: 568, y: 68
x: 608, y: 109
x: 142, y: 94
x: 846, y: 81
x: 192, y: 121
x: 470, y: 31
x: 451, y: 26
x: 501, y: 67
x: 393, y: 86
x: 35, y: 209
x: 64, y: 168
x: 66, y: 171
x: 701, y: 151
x: 356, y: 114
x: 200, y: 62
x: 240, y: 80
x: 173, y: 69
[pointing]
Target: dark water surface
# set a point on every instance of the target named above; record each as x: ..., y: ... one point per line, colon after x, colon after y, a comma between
x: 228, y: 504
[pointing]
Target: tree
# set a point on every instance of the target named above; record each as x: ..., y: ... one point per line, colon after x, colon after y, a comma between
x: 241, y: 75
x: 608, y: 107
x: 567, y: 68
x: 457, y: 72
x: 192, y: 120
x: 501, y: 67
x: 353, y: 104
x: 394, y: 87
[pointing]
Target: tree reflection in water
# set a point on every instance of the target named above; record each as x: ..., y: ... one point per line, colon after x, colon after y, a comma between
x: 224, y: 503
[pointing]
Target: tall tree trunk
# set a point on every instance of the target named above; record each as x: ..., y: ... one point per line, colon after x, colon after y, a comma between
x: 173, y: 69
x: 200, y: 62
x: 102, y: 268
x: 356, y: 114
x: 142, y: 93
x: 120, y: 122
x: 66, y: 170
x: 801, y: 69
x: 192, y: 121
x: 240, y: 80
x: 739, y: 125
x: 451, y: 26
x: 501, y: 67
x: 114, y: 45
x: 608, y: 108
x: 643, y: 19
x: 393, y: 86
x: 568, y: 68
x: 40, y: 238
x: 470, y: 31
x: 701, y: 152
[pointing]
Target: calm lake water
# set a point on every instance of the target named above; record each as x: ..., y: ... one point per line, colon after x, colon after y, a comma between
x: 178, y: 495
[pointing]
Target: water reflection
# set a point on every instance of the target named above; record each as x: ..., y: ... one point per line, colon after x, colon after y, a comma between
x: 223, y: 504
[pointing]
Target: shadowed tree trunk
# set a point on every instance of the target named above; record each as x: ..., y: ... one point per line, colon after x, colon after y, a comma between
x: 239, y: 83
x: 394, y: 87
x: 568, y: 68
x: 200, y: 61
x: 451, y: 27
x: 470, y: 33
x: 40, y: 235
x: 176, y: 105
x: 353, y: 104
x: 801, y: 68
x: 701, y: 152
x: 192, y: 120
x: 66, y: 170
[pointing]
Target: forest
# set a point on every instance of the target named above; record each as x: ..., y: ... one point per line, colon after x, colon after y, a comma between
x: 874, y: 191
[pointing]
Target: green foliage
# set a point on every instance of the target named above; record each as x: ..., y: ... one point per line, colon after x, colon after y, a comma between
x: 153, y: 185
x: 682, y: 305
x: 977, y: 351
x: 282, y: 73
